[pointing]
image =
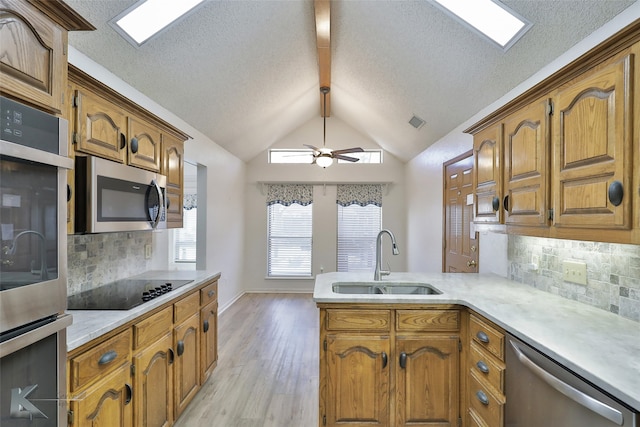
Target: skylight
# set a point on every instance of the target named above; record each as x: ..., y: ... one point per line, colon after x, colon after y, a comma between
x: 147, y: 18
x: 491, y: 18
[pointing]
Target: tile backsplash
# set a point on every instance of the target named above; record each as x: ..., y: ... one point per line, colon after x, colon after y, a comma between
x: 96, y: 259
x: 613, y: 271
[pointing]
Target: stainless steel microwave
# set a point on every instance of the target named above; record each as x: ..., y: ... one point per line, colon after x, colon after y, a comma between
x: 112, y: 197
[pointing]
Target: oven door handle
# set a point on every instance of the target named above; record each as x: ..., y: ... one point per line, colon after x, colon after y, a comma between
x: 572, y: 393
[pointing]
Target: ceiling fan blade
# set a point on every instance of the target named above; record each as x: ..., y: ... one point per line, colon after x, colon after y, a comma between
x: 349, y: 150
x: 347, y: 158
x: 311, y: 146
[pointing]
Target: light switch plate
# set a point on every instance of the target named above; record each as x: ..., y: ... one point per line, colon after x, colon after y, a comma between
x: 574, y: 272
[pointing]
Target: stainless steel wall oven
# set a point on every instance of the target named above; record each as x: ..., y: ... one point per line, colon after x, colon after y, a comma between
x: 33, y: 260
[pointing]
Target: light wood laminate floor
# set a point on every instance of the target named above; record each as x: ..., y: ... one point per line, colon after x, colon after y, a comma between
x: 267, y: 373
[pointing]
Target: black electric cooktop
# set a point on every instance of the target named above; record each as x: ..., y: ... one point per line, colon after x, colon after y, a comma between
x: 122, y: 294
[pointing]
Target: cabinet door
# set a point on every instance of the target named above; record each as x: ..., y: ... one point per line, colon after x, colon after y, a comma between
x: 100, y: 127
x: 153, y: 383
x: 33, y: 60
x: 187, y: 362
x: 427, y: 381
x: 208, y: 340
x: 173, y: 165
x: 487, y: 175
x: 526, y: 157
x: 592, y: 137
x: 144, y: 145
x: 106, y: 404
x: 357, y: 380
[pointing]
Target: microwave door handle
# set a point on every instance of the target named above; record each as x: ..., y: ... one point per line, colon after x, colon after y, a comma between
x: 572, y: 393
x: 155, y: 221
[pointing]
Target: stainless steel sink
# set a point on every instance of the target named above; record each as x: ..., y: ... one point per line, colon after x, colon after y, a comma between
x: 385, y: 288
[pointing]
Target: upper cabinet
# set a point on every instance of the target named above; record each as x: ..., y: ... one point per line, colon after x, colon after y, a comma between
x: 562, y: 159
x: 33, y: 52
x: 173, y: 169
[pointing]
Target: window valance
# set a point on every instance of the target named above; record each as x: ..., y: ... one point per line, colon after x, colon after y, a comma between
x: 288, y: 194
x: 190, y: 201
x: 359, y: 194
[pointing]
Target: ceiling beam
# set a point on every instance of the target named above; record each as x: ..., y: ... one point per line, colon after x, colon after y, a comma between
x: 323, y: 43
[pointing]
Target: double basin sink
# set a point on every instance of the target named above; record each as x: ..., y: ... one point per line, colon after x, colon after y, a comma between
x: 385, y: 288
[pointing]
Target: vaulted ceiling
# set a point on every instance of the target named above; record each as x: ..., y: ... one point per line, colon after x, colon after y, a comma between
x: 245, y: 72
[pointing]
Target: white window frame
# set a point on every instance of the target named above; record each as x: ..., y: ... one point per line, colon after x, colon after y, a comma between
x: 352, y: 219
x: 275, y: 266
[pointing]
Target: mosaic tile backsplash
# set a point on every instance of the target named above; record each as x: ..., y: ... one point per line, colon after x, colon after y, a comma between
x: 613, y: 271
x: 97, y: 259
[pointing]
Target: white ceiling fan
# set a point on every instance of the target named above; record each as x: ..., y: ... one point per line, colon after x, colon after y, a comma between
x: 324, y: 156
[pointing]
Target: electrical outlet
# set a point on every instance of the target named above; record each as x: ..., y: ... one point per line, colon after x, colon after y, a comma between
x: 535, y: 261
x: 574, y: 272
x: 147, y: 251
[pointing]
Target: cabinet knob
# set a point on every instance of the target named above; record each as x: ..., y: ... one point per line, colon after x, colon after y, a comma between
x: 123, y: 141
x: 172, y: 356
x: 505, y: 203
x: 69, y: 193
x: 134, y: 145
x: 385, y: 360
x: 482, y: 367
x: 107, y: 358
x: 205, y: 325
x: 616, y: 193
x: 129, y: 394
x: 403, y: 360
x: 211, y: 293
x: 495, y: 204
x: 180, y: 348
x: 482, y: 397
x: 483, y: 337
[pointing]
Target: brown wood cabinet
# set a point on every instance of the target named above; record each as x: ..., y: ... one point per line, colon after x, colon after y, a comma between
x: 33, y: 66
x: 144, y: 148
x: 152, y: 388
x: 389, y: 366
x: 568, y: 162
x: 173, y: 169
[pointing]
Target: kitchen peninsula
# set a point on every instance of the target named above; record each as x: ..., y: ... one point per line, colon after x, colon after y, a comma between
x: 599, y: 346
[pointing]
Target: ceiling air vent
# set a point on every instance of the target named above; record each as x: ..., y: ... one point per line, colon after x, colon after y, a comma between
x: 416, y: 122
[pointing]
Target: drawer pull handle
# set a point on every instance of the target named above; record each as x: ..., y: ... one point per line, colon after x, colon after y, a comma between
x: 134, y: 145
x: 482, y: 367
x: 211, y: 293
x: 483, y: 337
x: 495, y: 204
x: 108, y: 357
x: 403, y: 360
x: 180, y: 349
x: 616, y: 193
x: 385, y: 359
x: 482, y: 397
x: 205, y: 325
x: 129, y: 394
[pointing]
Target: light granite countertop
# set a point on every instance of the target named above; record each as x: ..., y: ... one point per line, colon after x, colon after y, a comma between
x: 90, y: 324
x: 600, y: 346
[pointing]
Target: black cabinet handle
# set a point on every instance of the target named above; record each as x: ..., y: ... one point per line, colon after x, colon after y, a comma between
x: 168, y: 202
x: 107, y: 358
x: 172, y: 356
x: 403, y: 360
x: 482, y: 397
x: 616, y: 193
x: 180, y: 348
x: 482, y: 367
x: 129, y: 394
x: 134, y: 145
x: 483, y: 337
x: 123, y: 141
x: 69, y: 193
x: 205, y: 325
x: 505, y: 203
x: 385, y: 360
x: 495, y: 204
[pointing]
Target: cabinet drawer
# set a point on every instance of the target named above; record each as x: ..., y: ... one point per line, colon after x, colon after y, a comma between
x: 100, y: 360
x: 487, y: 337
x: 485, y: 403
x: 153, y: 327
x: 427, y: 320
x: 358, y: 320
x: 209, y: 293
x: 484, y: 365
x: 475, y: 420
x: 186, y: 307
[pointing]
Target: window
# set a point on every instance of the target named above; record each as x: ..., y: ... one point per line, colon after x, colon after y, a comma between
x: 289, y: 230
x: 359, y: 222
x: 289, y: 240
x: 185, y: 237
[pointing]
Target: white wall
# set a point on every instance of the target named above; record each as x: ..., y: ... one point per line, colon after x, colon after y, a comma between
x: 225, y: 188
x: 424, y: 172
x: 339, y: 135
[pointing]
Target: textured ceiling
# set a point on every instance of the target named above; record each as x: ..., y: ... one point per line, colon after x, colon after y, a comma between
x: 245, y: 73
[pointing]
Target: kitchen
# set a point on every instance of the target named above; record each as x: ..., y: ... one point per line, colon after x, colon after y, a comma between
x: 230, y: 242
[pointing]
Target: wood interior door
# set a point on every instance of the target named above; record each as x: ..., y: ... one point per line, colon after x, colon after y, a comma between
x: 460, y: 253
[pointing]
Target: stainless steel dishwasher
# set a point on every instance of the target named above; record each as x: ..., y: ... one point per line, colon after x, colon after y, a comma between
x: 542, y: 393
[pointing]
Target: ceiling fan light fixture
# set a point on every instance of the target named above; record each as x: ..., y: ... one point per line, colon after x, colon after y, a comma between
x: 324, y: 160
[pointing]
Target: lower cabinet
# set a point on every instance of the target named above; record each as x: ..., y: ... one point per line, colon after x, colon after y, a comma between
x: 389, y: 367
x: 106, y: 404
x: 153, y: 382
x: 147, y: 372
